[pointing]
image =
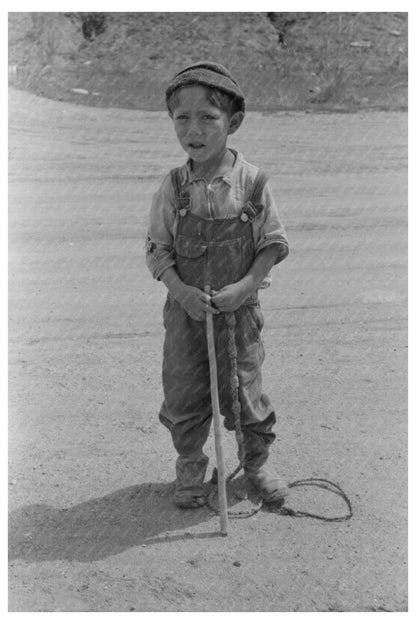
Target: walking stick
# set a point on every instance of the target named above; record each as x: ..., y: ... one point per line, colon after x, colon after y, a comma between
x: 215, y: 404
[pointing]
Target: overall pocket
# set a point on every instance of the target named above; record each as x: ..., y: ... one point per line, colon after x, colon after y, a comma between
x: 255, y: 319
x: 189, y: 247
x: 190, y: 260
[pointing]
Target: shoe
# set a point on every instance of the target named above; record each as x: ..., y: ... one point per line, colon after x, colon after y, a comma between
x: 271, y: 488
x: 189, y: 502
x: 190, y: 474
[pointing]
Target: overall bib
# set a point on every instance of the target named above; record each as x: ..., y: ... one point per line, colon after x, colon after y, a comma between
x: 216, y: 252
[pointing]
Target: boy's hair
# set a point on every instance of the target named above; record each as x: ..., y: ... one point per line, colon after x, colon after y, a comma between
x: 221, y: 84
x: 225, y: 102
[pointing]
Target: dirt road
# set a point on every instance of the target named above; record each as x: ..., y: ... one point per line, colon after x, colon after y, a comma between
x: 92, y: 526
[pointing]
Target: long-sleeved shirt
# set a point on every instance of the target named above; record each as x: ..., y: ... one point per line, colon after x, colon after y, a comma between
x: 222, y: 198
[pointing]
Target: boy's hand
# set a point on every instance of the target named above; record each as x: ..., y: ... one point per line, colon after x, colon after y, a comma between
x: 230, y: 297
x: 196, y: 303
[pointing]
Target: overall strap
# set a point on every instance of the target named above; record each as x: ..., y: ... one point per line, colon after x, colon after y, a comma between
x: 253, y: 206
x: 182, y: 195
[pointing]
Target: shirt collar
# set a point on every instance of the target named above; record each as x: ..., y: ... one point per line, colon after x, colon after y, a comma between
x: 188, y: 175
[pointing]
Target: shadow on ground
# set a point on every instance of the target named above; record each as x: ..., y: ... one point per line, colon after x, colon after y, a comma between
x: 101, y: 527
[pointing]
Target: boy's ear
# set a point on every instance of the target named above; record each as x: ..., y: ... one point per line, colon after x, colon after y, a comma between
x: 235, y: 122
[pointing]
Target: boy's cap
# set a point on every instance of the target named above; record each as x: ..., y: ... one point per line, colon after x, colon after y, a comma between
x: 207, y: 74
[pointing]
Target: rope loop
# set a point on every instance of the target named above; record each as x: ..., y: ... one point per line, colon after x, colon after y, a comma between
x: 280, y: 510
x: 324, y: 484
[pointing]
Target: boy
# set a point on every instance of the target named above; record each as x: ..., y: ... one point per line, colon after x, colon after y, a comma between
x: 213, y: 222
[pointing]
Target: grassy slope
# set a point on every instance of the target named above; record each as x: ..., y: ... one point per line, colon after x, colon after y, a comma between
x: 284, y: 61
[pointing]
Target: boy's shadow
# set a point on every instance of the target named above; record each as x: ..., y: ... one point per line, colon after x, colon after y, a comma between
x: 101, y: 527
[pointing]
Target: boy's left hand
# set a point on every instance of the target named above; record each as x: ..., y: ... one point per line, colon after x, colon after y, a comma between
x: 229, y: 298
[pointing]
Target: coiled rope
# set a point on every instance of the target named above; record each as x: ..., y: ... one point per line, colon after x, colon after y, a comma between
x: 324, y: 484
x: 283, y: 510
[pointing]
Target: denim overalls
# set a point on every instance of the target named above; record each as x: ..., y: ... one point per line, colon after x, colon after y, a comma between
x: 213, y: 252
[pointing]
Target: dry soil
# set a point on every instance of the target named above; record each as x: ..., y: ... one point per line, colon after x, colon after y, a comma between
x: 92, y: 525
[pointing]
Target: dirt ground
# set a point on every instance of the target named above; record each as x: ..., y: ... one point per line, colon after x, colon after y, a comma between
x: 91, y: 522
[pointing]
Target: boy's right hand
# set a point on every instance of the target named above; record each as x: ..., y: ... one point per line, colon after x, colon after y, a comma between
x: 196, y: 302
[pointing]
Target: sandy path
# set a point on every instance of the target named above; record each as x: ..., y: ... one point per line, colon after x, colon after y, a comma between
x: 92, y: 527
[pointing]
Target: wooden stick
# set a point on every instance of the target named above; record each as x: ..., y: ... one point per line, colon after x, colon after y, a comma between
x: 215, y: 404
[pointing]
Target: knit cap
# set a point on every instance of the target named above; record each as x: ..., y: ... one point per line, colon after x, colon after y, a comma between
x: 209, y: 75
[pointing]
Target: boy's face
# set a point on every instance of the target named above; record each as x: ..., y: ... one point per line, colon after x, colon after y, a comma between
x: 201, y: 127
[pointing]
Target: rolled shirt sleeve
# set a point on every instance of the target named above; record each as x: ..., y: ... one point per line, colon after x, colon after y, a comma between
x: 160, y: 234
x: 268, y: 229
